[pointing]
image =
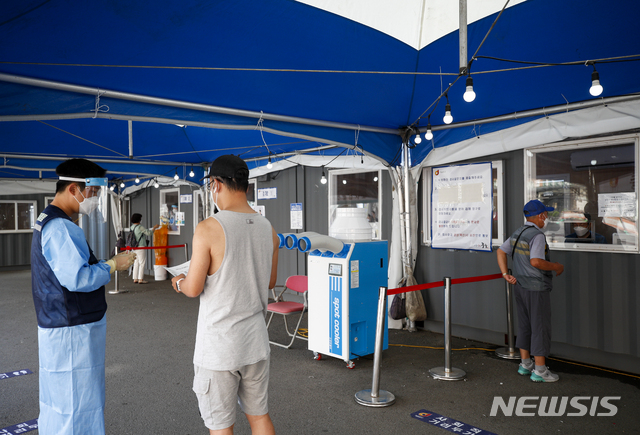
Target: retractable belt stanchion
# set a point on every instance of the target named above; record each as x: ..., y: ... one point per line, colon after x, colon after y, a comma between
x: 140, y: 250
x: 375, y: 396
x: 447, y: 372
x: 116, y: 290
x: 509, y: 352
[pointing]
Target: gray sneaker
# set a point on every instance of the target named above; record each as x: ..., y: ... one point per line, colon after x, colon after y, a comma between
x: 525, y: 370
x: 544, y: 376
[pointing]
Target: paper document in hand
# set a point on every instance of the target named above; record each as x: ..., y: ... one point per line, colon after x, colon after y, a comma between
x: 179, y: 269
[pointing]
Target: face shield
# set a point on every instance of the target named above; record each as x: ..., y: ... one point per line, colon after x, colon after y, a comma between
x: 94, y: 194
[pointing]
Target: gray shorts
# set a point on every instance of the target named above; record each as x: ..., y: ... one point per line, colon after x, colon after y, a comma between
x: 219, y: 391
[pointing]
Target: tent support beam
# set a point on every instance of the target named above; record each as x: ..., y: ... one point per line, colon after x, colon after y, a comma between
x: 103, y: 93
x: 538, y: 112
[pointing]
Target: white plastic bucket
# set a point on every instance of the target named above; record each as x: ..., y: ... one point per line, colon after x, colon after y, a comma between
x: 160, y: 273
x: 351, y: 225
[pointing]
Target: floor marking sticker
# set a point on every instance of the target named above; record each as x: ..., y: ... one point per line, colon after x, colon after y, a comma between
x: 19, y: 428
x: 8, y: 375
x: 448, y: 423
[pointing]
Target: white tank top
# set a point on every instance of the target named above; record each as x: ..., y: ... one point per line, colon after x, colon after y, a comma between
x: 231, y: 322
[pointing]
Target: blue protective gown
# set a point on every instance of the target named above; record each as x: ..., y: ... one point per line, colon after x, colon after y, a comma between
x: 68, y: 290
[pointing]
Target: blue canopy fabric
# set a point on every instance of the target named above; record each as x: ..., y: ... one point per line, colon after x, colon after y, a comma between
x: 258, y: 78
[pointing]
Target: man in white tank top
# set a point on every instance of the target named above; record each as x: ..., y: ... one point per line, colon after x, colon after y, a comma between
x: 233, y: 266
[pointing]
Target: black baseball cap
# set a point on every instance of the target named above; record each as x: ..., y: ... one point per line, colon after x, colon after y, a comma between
x: 228, y: 166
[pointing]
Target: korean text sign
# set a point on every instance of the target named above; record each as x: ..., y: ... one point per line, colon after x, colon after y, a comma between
x: 462, y: 207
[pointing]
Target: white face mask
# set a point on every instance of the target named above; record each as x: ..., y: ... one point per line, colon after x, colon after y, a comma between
x: 544, y: 225
x: 581, y: 231
x: 89, y: 205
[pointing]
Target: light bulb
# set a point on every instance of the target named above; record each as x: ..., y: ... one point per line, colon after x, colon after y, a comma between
x: 323, y: 180
x: 594, y: 162
x: 192, y: 174
x: 344, y: 181
x: 596, y: 88
x: 137, y: 179
x: 269, y: 165
x: 417, y: 139
x: 122, y: 184
x: 375, y: 179
x: 469, y: 95
x: 175, y: 177
x: 156, y: 185
x: 429, y: 134
x: 112, y: 187
x: 448, y: 119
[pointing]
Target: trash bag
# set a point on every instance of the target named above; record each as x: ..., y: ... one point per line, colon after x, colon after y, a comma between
x: 416, y: 310
x: 398, y: 308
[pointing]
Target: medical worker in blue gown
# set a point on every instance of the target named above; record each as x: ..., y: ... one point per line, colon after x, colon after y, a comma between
x: 69, y: 296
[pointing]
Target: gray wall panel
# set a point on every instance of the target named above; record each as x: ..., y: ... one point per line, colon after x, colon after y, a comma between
x: 15, y: 248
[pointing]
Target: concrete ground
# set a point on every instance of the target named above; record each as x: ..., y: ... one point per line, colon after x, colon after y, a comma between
x: 150, y: 341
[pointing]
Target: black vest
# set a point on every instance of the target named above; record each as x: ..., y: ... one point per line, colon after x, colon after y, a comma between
x: 56, y: 306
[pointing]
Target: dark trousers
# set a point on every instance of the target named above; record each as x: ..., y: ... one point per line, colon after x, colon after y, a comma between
x: 534, y: 320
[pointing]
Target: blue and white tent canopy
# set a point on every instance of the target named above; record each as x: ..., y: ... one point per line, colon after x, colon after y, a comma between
x: 304, y: 80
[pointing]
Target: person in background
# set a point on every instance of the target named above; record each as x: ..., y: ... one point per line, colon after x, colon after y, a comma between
x: 532, y: 275
x: 69, y: 297
x: 234, y: 264
x: 140, y: 233
x: 582, y: 232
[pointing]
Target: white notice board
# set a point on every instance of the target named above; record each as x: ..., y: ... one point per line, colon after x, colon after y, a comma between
x: 461, y: 207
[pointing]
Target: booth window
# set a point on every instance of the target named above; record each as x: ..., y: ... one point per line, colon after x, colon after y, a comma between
x: 251, y: 193
x: 17, y: 216
x: 169, y: 206
x: 357, y: 189
x: 497, y: 220
x: 592, y: 186
x: 199, y: 207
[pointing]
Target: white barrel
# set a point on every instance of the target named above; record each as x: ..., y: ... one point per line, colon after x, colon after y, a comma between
x: 160, y: 273
x: 318, y: 241
x: 351, y: 225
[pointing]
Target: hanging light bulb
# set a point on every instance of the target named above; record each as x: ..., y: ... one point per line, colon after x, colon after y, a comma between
x: 596, y: 88
x: 344, y: 181
x: 156, y: 185
x: 429, y: 134
x: 112, y: 187
x: 137, y: 179
x: 448, y: 119
x: 375, y: 179
x: 323, y: 180
x: 469, y: 94
x: 122, y: 184
x: 175, y: 177
x: 269, y: 165
x: 417, y: 139
x: 192, y: 174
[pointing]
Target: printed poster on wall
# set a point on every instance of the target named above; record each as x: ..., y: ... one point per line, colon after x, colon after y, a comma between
x: 462, y: 207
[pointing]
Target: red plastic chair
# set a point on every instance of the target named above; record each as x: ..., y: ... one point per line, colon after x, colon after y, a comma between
x: 296, y: 283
